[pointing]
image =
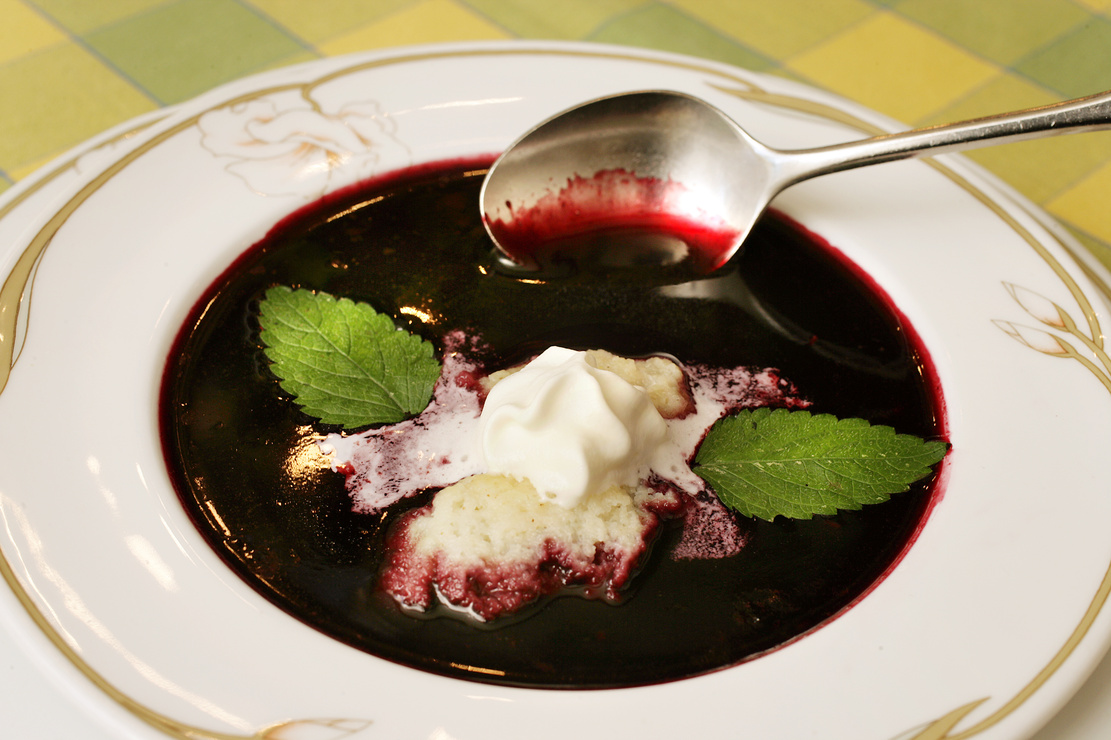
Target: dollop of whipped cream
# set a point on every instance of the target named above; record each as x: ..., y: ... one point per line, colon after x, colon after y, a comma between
x: 572, y: 429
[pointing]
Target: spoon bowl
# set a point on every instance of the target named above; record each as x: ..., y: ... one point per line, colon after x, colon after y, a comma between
x: 658, y: 176
x: 616, y: 166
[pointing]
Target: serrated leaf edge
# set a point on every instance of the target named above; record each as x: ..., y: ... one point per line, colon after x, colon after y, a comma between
x: 277, y: 353
x: 932, y: 450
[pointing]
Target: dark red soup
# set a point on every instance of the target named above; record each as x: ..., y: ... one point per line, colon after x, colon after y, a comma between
x: 246, y: 465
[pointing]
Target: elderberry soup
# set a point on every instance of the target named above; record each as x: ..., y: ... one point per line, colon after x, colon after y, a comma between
x: 788, y: 323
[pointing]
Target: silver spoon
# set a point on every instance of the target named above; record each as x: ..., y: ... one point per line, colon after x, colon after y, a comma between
x: 674, y: 168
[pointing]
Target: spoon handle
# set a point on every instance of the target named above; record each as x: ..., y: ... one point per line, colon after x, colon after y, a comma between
x: 1082, y: 114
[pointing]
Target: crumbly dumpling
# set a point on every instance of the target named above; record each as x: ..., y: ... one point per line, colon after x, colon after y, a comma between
x: 661, y: 378
x: 489, y: 544
x: 494, y: 518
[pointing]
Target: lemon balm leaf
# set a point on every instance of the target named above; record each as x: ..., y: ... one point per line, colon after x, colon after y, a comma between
x: 342, y: 361
x: 766, y: 463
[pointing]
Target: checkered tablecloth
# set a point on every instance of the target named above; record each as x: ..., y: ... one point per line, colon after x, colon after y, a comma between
x: 71, y: 68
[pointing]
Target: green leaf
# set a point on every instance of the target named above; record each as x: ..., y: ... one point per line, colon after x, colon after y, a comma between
x: 764, y: 463
x: 344, y: 362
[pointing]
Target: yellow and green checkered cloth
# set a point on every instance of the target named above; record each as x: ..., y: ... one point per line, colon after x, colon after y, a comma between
x: 71, y: 68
